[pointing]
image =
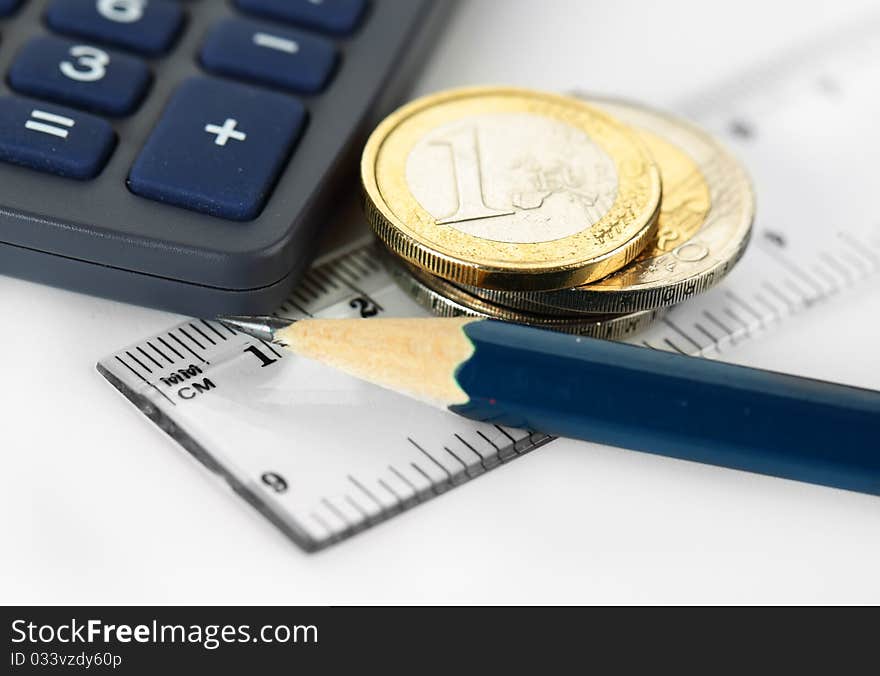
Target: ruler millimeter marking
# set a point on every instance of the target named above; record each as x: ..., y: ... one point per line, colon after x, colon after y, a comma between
x: 202, y: 387
x: 324, y: 456
x: 767, y: 287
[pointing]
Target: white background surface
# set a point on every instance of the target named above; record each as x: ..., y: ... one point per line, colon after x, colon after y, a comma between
x: 98, y: 506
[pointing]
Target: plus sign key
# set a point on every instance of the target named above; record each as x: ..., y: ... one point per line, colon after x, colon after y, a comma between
x: 218, y: 148
x: 226, y: 132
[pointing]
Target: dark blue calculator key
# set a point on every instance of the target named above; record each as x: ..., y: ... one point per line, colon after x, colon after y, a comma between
x: 149, y: 27
x: 340, y: 17
x: 80, y: 75
x: 53, y: 139
x: 269, y: 54
x: 218, y: 148
x: 9, y: 6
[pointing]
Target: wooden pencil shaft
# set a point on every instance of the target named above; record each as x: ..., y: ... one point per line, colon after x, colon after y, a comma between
x: 417, y: 357
x: 612, y: 393
x: 665, y: 403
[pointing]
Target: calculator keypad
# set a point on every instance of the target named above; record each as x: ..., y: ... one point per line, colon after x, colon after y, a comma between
x: 53, y: 139
x: 82, y: 75
x: 141, y: 26
x: 208, y: 196
x: 277, y: 56
x: 218, y: 148
x: 220, y: 144
x: 340, y: 17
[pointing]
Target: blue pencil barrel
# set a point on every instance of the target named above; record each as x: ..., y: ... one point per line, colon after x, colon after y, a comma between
x: 674, y: 405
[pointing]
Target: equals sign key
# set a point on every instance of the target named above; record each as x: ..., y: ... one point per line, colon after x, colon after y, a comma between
x: 59, y: 131
x: 53, y: 139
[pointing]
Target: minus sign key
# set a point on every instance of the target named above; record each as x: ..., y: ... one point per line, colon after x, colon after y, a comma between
x: 272, y: 55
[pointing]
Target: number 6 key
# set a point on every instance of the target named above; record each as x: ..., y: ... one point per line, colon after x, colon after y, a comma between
x: 146, y: 27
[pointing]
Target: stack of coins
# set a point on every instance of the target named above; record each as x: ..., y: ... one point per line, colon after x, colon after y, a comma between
x: 584, y: 215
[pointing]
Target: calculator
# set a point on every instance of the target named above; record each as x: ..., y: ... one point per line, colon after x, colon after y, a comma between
x: 187, y: 155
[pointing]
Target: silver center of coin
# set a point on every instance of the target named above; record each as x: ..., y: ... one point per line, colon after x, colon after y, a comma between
x: 512, y: 177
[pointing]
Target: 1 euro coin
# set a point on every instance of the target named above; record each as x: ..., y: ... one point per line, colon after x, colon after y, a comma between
x: 703, y: 229
x: 510, y: 189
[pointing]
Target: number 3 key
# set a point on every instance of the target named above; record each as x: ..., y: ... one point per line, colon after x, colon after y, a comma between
x: 80, y: 75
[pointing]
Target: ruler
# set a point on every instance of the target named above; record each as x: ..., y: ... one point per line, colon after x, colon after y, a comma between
x: 324, y: 456
x: 320, y: 454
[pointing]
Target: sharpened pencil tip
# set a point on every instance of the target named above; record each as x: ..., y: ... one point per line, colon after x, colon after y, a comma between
x: 262, y: 327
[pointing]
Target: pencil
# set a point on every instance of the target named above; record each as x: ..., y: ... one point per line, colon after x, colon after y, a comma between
x: 610, y: 393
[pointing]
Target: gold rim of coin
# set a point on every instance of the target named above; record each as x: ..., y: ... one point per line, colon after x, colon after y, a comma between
x: 502, y: 170
x: 703, y: 229
x: 447, y: 300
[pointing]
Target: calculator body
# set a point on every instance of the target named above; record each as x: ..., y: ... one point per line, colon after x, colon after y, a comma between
x: 97, y: 236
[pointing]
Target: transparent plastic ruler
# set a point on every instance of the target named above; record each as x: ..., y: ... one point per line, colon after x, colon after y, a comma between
x: 325, y: 456
x: 320, y: 454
